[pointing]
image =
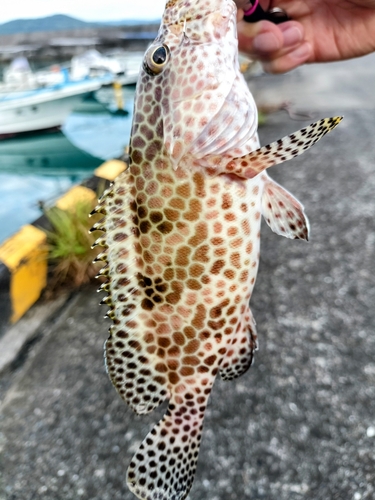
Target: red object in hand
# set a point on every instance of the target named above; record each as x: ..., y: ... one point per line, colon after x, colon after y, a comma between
x: 256, y: 13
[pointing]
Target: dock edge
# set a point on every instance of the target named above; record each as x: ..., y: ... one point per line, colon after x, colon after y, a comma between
x: 24, y: 256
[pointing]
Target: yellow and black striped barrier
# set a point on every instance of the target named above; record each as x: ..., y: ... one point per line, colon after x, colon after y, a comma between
x: 23, y: 256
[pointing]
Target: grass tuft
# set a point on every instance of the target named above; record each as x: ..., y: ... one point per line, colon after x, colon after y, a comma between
x: 69, y: 247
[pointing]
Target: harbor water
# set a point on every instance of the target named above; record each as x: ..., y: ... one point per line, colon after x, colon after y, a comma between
x: 35, y: 169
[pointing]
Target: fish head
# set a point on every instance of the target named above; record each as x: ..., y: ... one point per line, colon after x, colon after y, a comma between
x: 202, y: 21
x: 193, y: 72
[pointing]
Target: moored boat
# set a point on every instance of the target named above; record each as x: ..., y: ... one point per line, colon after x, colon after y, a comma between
x: 46, y: 107
x: 34, y: 101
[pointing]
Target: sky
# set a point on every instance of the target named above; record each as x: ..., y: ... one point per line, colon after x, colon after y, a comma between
x: 87, y: 10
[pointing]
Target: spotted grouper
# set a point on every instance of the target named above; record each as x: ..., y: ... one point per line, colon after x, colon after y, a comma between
x: 181, y: 235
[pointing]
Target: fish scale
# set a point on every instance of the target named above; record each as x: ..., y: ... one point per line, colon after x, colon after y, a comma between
x: 182, y: 236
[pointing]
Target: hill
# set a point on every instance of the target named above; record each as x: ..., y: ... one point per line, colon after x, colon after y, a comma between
x: 58, y: 22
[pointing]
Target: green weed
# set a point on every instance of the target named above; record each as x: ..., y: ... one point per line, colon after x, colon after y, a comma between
x: 69, y: 246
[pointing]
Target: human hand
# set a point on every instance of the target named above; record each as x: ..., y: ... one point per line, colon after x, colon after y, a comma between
x: 320, y: 31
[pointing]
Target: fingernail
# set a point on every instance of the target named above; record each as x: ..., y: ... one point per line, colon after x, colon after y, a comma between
x: 302, y: 52
x: 266, y: 42
x: 292, y: 36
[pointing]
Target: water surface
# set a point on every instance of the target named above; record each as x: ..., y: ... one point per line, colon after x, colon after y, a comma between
x: 37, y: 168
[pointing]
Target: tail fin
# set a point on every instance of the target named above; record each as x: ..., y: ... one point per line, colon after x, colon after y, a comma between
x: 284, y: 149
x: 164, y: 466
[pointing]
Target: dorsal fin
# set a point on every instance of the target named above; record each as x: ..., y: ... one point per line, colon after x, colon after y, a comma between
x: 131, y: 366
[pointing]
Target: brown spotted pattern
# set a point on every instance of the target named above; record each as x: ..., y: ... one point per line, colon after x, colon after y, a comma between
x: 182, y: 259
x: 181, y: 236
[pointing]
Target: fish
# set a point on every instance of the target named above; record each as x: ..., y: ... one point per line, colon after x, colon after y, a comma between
x: 181, y: 236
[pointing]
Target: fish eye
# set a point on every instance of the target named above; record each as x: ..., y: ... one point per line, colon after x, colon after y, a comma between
x: 156, y: 59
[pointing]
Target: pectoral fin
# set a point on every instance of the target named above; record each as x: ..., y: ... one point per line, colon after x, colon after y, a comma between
x: 283, y: 213
x: 284, y: 149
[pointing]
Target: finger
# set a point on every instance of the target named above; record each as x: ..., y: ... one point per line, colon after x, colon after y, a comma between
x: 243, y: 4
x: 294, y: 52
x: 261, y: 40
x: 280, y: 48
x: 287, y: 61
x: 265, y: 40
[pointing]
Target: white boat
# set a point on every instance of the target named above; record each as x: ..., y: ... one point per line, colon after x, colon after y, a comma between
x: 44, y: 108
x: 19, y: 77
x: 33, y: 101
x: 92, y: 64
x: 124, y: 66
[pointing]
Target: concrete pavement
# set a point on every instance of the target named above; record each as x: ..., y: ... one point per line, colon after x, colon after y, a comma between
x: 301, y: 423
